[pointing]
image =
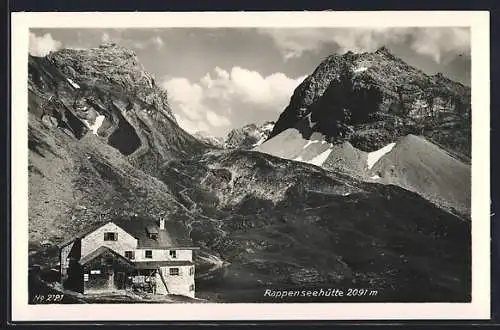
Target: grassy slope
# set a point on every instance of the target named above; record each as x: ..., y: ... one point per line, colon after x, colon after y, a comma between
x: 278, y: 222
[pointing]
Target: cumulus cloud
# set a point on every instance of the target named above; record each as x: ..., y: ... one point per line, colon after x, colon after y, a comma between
x: 440, y: 42
x: 433, y: 42
x: 222, y: 99
x: 156, y: 42
x: 215, y: 120
x: 42, y: 45
x: 105, y: 37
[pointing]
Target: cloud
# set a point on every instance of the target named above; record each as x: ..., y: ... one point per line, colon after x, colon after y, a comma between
x: 105, y: 37
x: 441, y: 42
x: 156, y: 42
x: 191, y: 126
x: 433, y: 42
x: 215, y: 120
x: 209, y: 104
x: 41, y: 46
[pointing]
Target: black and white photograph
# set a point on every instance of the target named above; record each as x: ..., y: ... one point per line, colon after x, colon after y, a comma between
x: 195, y: 165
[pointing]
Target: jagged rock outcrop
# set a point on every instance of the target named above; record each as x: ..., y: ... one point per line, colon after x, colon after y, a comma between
x: 105, y: 91
x: 210, y: 140
x: 249, y: 136
x: 112, y: 67
x: 369, y: 99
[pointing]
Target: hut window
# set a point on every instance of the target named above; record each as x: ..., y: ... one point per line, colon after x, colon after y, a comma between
x: 110, y: 236
x: 129, y: 254
x: 152, y: 232
x: 174, y: 271
x: 191, y: 287
x: 173, y: 254
x: 148, y: 254
x: 191, y: 271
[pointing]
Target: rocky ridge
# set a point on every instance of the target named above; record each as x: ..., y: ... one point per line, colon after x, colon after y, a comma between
x: 104, y: 91
x: 214, y: 141
x: 249, y: 136
x: 369, y: 99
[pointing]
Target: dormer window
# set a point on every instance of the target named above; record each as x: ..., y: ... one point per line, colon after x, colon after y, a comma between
x: 110, y: 236
x: 152, y: 232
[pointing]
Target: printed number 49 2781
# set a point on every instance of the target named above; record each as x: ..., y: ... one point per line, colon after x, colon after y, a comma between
x: 47, y: 298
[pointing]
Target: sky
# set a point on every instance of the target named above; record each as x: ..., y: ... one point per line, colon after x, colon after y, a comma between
x: 218, y: 79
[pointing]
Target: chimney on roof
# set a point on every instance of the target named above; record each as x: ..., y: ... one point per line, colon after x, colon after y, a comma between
x: 162, y: 223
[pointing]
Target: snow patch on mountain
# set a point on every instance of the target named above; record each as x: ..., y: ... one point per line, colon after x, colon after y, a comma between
x: 321, y: 158
x: 263, y: 138
x: 360, y: 69
x: 268, y: 126
x: 299, y: 159
x: 317, y: 160
x: 311, y: 123
x: 374, y: 156
x: 97, y: 123
x: 74, y: 84
x: 309, y: 142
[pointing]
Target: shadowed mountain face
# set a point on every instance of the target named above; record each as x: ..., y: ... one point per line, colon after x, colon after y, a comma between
x: 105, y: 92
x: 354, y: 109
x: 370, y: 99
x: 261, y: 221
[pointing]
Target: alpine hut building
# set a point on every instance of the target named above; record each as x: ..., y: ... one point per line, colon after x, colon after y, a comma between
x: 137, y: 254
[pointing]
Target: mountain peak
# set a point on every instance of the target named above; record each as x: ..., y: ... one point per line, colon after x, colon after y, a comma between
x: 108, y: 45
x: 111, y: 65
x: 354, y: 106
x: 113, y: 70
x: 383, y: 50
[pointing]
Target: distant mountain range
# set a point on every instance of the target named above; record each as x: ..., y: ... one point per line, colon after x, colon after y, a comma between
x: 361, y: 182
x: 247, y: 137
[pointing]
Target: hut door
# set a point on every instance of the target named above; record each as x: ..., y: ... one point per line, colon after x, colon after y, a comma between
x: 111, y: 279
x: 120, y: 280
